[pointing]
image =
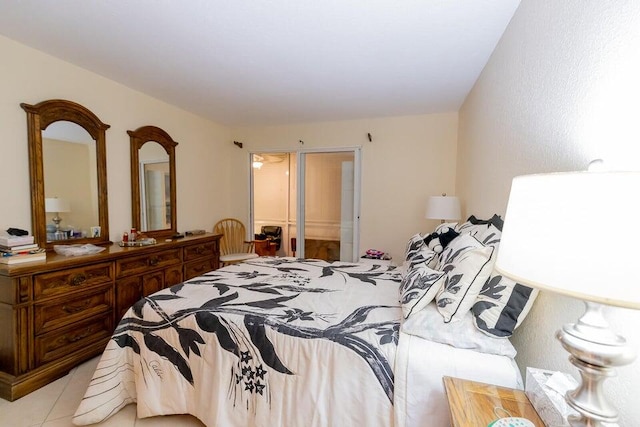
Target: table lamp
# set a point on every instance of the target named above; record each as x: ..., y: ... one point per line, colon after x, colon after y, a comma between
x: 551, y: 240
x: 56, y: 205
x: 442, y: 208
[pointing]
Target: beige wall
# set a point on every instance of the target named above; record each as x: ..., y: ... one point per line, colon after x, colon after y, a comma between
x: 560, y: 90
x: 409, y: 159
x: 203, y: 172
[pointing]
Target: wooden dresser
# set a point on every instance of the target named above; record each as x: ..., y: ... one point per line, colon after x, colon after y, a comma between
x: 57, y: 313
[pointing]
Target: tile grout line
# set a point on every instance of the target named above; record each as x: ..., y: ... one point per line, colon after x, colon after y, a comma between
x: 71, y: 374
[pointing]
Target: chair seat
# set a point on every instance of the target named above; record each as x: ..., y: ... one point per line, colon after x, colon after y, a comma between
x: 233, y: 246
x: 230, y: 258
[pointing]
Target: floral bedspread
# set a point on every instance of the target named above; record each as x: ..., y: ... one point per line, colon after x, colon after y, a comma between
x: 269, y: 342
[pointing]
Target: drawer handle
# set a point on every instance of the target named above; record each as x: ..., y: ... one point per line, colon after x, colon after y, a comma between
x: 80, y: 336
x: 200, y: 250
x: 75, y: 308
x: 154, y: 261
x: 78, y: 279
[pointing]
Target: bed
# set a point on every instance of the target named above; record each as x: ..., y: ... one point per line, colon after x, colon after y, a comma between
x: 295, y: 342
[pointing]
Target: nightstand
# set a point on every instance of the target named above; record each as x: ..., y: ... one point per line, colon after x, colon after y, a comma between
x: 474, y: 404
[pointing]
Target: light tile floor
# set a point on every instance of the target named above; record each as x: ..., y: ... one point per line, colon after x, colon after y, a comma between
x: 54, y: 404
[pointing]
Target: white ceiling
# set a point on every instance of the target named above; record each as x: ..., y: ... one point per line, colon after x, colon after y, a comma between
x: 274, y: 61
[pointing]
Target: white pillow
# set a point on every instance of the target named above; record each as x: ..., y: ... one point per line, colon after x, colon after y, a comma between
x: 467, y: 264
x: 428, y: 324
x: 418, y: 288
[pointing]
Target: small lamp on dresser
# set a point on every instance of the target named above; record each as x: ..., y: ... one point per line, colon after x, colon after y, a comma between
x: 548, y: 242
x: 56, y: 205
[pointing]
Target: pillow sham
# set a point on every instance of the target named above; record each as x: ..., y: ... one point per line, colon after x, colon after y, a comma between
x: 428, y: 324
x: 456, y: 248
x: 489, y: 236
x: 502, y: 305
x: 418, y: 288
x: 495, y: 220
x: 424, y: 254
x: 467, y: 265
x: 413, y: 246
x: 475, y: 226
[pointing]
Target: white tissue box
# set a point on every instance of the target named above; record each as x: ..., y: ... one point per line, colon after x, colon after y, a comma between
x: 549, y: 401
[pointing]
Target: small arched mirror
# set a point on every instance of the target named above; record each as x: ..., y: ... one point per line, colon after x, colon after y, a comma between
x: 67, y: 159
x: 153, y: 181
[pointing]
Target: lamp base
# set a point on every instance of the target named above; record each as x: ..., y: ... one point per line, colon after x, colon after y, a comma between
x: 56, y: 220
x: 595, y: 350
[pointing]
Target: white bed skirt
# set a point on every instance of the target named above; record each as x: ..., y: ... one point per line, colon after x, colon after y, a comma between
x: 420, y: 399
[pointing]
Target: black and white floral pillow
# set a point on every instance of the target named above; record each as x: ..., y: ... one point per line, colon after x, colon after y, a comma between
x: 419, y: 287
x: 416, y: 242
x: 489, y: 236
x: 481, y: 228
x: 502, y: 305
x: 467, y: 264
x: 423, y: 255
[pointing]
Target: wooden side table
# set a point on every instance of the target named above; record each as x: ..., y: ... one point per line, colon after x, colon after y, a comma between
x: 265, y: 247
x: 474, y: 404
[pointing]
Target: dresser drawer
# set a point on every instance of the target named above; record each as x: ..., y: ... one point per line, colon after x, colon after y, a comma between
x: 202, y: 250
x: 143, y: 263
x: 64, y: 311
x: 172, y: 276
x: 63, y: 282
x: 65, y: 341
x: 197, y: 268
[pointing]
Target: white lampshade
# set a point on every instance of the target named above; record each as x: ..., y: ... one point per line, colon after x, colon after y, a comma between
x: 575, y: 234
x: 55, y: 205
x: 442, y: 207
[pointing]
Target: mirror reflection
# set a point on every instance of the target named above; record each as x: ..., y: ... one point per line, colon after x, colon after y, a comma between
x: 153, y: 181
x: 155, y: 187
x: 70, y: 184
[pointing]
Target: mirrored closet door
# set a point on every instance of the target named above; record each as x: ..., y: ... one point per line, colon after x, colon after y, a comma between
x: 311, y: 198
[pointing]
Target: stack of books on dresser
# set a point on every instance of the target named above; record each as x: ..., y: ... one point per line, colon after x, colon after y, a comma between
x: 19, y: 249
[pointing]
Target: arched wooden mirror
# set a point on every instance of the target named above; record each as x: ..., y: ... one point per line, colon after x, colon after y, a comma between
x: 68, y: 165
x: 153, y: 181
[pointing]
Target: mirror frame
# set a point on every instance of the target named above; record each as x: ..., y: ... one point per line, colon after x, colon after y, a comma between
x: 139, y: 137
x: 39, y: 117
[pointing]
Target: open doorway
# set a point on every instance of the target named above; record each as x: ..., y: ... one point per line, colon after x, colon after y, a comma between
x: 310, y: 199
